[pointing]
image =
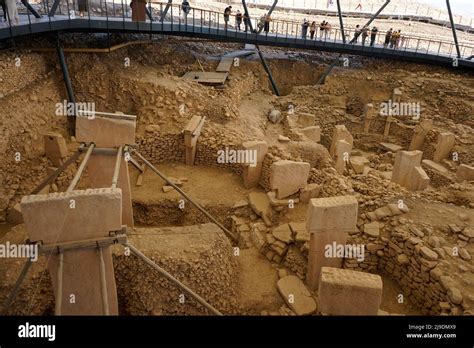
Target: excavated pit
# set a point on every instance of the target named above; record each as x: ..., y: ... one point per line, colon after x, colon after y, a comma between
x: 152, y: 89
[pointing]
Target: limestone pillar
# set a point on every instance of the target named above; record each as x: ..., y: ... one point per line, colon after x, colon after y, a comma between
x: 420, y: 133
x: 253, y: 172
x: 340, y: 133
x: 388, y: 123
x: 55, y: 148
x: 444, y: 146
x: 192, y: 131
x: 407, y: 171
x: 369, y: 113
x: 77, y: 217
x: 343, y: 151
x: 347, y: 292
x: 329, y: 220
x: 397, y: 95
x: 288, y: 177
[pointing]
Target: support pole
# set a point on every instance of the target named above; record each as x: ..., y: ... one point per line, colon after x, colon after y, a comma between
x: 69, y: 89
x: 6, y: 305
x: 173, y: 279
x: 257, y: 48
x: 59, y: 291
x: 341, y: 22
x: 30, y: 8
x: 81, y: 168
x: 165, y: 11
x: 54, y: 8
x: 453, y: 28
x: 182, y: 193
x: 118, y: 162
x: 103, y: 283
x: 56, y: 173
x: 329, y: 69
x: 268, y: 13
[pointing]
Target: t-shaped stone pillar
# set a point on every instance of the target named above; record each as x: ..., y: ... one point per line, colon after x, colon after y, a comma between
x: 340, y: 133
x: 109, y: 131
x: 444, y: 146
x: 253, y: 171
x: 343, y: 151
x: 420, y: 133
x: 192, y: 131
x: 77, y: 217
x: 407, y: 171
x: 369, y: 113
x: 329, y: 220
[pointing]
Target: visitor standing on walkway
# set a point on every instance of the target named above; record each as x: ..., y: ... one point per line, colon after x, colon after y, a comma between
x: 238, y: 19
x: 4, y: 9
x: 82, y: 6
x: 304, y: 29
x: 266, y: 24
x: 227, y: 13
x: 388, y: 37
x: 365, y: 35
x: 186, y: 7
x: 246, y: 21
x: 373, y: 35
x: 12, y: 11
x: 356, y: 34
x: 312, y: 30
x: 322, y: 27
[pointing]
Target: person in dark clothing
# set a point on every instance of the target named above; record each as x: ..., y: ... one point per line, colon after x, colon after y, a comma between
x: 266, y: 23
x: 4, y: 9
x: 304, y: 29
x: 356, y: 34
x: 238, y: 19
x: 186, y: 7
x: 227, y: 13
x: 246, y: 22
x: 365, y: 34
x: 388, y: 37
x: 373, y: 35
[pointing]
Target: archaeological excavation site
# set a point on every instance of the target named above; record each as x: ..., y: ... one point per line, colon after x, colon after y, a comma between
x: 163, y: 161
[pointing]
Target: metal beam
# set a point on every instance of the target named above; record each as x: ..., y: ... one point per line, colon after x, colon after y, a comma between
x: 148, y: 12
x: 257, y: 48
x: 58, y: 171
x: 69, y: 89
x: 30, y: 8
x: 269, y: 13
x: 16, y: 287
x: 453, y: 28
x: 341, y: 22
x: 165, y: 11
x: 54, y: 8
x: 81, y: 168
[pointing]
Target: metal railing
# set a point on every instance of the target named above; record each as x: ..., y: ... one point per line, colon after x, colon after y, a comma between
x: 203, y: 21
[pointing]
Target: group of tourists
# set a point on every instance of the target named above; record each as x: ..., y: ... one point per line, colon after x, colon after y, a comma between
x: 364, y: 33
x: 324, y: 29
x: 393, y: 38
